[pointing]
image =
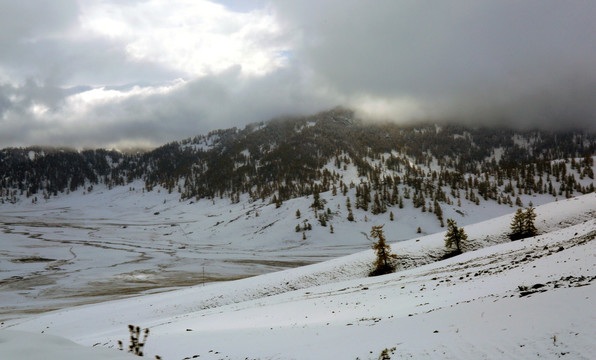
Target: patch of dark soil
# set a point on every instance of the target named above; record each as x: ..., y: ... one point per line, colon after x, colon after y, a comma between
x: 383, y: 270
x: 563, y: 282
x: 32, y: 259
x: 273, y: 263
x: 450, y: 254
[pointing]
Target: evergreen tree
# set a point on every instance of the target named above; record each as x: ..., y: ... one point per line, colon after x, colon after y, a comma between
x: 528, y: 221
x: 277, y: 202
x: 383, y: 263
x: 322, y: 220
x: 362, y: 202
x: 438, y: 210
x: 376, y: 207
x: 454, y: 235
x: 517, y: 225
x: 350, y: 215
x: 316, y: 203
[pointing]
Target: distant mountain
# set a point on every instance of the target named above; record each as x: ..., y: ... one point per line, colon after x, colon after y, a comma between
x: 280, y: 159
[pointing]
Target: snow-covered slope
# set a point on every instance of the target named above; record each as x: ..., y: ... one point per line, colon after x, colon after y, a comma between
x: 88, y: 247
x: 525, y: 299
x: 21, y: 345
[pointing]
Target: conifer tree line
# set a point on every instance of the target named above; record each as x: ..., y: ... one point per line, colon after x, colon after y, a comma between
x: 425, y: 166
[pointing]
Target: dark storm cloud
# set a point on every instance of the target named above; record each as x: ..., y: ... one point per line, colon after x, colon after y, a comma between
x: 194, y: 108
x: 23, y: 23
x: 532, y: 62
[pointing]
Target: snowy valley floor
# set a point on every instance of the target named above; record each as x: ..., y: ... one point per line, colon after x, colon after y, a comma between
x: 533, y: 298
x: 83, y: 248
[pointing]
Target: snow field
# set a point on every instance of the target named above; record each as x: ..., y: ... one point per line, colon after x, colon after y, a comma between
x: 525, y: 299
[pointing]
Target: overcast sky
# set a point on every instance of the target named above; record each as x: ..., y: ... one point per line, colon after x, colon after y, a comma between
x: 109, y: 73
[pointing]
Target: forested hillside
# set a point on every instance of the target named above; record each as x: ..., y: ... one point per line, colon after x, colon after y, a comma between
x: 388, y: 164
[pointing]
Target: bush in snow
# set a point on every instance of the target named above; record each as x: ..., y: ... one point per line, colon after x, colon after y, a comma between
x: 136, y: 345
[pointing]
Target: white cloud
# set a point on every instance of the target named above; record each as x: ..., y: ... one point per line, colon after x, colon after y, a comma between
x: 78, y: 105
x: 195, y: 37
x: 39, y: 109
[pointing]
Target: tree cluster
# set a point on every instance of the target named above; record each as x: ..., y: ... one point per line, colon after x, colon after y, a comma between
x: 522, y: 225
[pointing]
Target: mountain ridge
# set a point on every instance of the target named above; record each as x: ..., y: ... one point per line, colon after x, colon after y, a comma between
x: 292, y: 157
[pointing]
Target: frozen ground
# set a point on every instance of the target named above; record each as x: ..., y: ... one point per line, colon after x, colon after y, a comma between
x: 526, y: 299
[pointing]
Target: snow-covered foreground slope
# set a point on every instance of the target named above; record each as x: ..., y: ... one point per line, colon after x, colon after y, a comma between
x: 20, y: 345
x: 525, y: 299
